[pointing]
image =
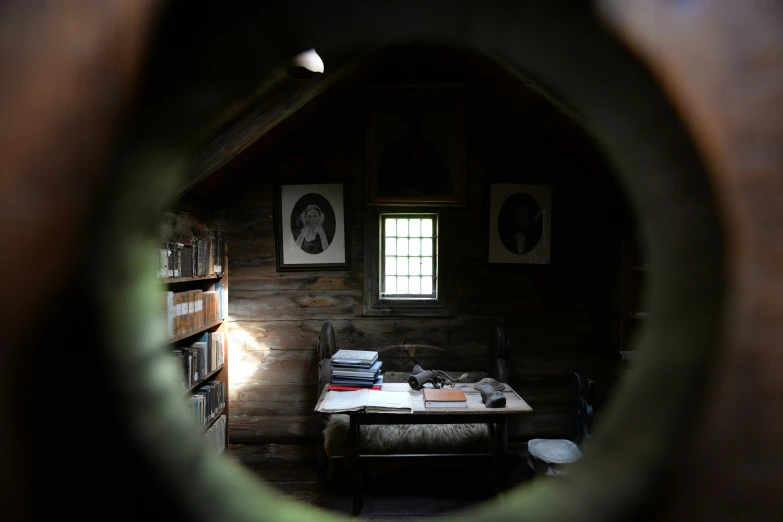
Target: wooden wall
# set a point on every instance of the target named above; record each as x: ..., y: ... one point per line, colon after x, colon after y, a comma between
x: 562, y: 317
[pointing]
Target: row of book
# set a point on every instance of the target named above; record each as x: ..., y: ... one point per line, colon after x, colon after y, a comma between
x: 216, y: 435
x: 197, y: 255
x: 205, y: 355
x: 356, y: 370
x: 193, y: 309
x: 207, y: 402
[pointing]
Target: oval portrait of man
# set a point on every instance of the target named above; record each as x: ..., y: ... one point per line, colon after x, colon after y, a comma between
x: 520, y: 223
x: 313, y: 223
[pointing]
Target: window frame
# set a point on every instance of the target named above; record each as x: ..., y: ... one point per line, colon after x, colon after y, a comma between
x: 377, y: 305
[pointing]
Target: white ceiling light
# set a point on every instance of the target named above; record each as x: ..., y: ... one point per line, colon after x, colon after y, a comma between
x: 309, y: 60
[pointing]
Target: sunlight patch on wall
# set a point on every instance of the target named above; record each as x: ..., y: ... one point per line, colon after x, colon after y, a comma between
x: 242, y: 340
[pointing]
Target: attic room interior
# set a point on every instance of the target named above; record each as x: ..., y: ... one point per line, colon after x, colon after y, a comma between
x: 563, y: 302
x: 391, y: 260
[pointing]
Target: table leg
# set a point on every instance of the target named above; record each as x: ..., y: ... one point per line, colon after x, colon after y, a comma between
x: 499, y: 452
x: 358, y: 492
x: 491, y: 469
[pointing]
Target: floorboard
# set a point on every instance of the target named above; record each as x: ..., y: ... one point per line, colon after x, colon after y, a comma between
x: 396, y: 494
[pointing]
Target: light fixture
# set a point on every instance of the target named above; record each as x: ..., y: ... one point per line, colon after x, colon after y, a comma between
x: 305, y: 64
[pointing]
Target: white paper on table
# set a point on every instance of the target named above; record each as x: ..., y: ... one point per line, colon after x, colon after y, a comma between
x: 370, y: 400
x: 336, y: 401
x: 388, y: 401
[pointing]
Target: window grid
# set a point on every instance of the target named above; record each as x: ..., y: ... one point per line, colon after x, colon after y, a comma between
x: 408, y: 255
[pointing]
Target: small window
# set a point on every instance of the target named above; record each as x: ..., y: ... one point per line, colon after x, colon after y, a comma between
x: 403, y: 275
x: 409, y: 263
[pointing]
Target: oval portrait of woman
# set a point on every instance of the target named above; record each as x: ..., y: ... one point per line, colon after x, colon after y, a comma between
x: 313, y: 223
x: 520, y: 223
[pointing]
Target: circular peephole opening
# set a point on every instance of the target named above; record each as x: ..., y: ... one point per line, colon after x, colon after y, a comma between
x: 621, y: 111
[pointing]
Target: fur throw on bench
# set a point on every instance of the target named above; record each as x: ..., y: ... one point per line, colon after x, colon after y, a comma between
x: 407, y: 438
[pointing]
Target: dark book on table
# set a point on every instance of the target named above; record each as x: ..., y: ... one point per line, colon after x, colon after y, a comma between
x: 370, y: 372
x: 364, y: 383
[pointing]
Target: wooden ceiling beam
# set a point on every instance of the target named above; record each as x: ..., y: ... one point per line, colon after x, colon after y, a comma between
x: 277, y: 102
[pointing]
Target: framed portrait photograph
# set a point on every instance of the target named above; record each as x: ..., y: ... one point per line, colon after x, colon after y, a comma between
x: 416, y: 145
x: 520, y: 223
x: 310, y: 227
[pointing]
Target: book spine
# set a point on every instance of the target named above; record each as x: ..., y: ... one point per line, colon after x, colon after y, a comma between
x: 210, y: 352
x: 199, y: 255
x: 177, y: 313
x: 177, y: 259
x: 220, y: 251
x: 187, y: 260
x: 163, y: 262
x: 169, y: 304
x: 172, y: 258
x: 335, y: 387
x: 210, y: 256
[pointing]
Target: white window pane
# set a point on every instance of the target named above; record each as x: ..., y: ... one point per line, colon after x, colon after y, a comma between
x: 426, y: 228
x: 391, y: 266
x: 402, y: 266
x: 426, y: 285
x: 402, y: 247
x: 426, y: 247
x: 426, y: 266
x: 391, y: 246
x: 414, y: 247
x: 391, y: 227
x: 414, y: 227
x: 402, y: 227
x: 391, y: 285
x: 415, y: 266
x: 402, y: 285
x: 415, y: 285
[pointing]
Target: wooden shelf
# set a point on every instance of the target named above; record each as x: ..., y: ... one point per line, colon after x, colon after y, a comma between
x: 211, y: 277
x: 202, y: 381
x: 193, y: 332
x: 210, y: 423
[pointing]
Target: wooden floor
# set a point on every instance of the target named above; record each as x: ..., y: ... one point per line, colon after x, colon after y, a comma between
x: 391, y: 495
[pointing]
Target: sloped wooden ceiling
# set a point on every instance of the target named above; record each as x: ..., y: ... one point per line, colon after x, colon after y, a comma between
x: 282, y: 104
x: 278, y: 98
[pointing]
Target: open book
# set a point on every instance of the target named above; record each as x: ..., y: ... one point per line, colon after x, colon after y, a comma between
x: 369, y: 401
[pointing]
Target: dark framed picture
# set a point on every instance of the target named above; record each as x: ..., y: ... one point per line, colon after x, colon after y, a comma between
x: 520, y: 223
x: 416, y: 145
x: 310, y: 227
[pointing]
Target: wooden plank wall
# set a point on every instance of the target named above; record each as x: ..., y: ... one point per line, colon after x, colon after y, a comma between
x: 562, y: 317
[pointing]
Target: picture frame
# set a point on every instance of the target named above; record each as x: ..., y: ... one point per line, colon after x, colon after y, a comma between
x: 520, y: 223
x: 416, y: 145
x: 307, y: 217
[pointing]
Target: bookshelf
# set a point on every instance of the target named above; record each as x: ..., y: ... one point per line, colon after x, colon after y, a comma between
x: 192, y: 328
x: 192, y: 333
x: 172, y: 280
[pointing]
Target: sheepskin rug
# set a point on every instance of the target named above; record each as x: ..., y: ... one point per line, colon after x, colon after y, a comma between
x: 404, y: 438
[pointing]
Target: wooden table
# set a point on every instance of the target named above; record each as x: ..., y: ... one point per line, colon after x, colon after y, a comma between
x: 476, y: 413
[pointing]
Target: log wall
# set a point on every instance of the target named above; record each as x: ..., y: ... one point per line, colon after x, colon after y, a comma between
x: 562, y: 317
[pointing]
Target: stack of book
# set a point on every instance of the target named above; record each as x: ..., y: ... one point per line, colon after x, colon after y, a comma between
x: 356, y: 370
x: 195, y: 255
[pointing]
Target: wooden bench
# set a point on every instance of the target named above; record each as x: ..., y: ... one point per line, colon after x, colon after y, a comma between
x: 398, y: 361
